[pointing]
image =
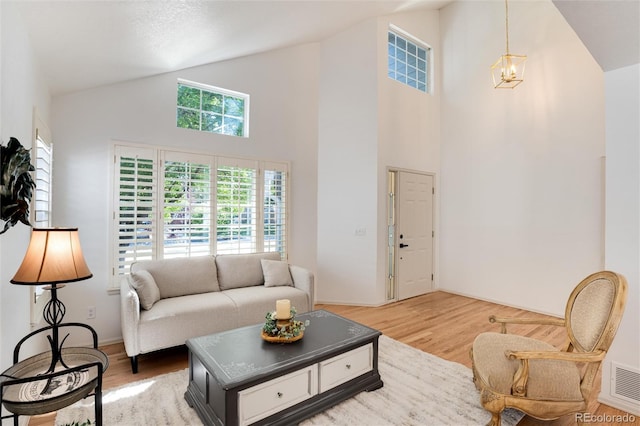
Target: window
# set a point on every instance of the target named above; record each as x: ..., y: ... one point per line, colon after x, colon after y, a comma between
x: 174, y: 204
x: 211, y: 109
x: 408, y: 61
x: 44, y: 156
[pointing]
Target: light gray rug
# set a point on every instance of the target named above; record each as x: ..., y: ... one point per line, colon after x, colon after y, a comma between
x: 419, y: 389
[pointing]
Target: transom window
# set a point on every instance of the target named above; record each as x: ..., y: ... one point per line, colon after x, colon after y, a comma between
x: 212, y: 109
x: 171, y: 204
x: 408, y: 61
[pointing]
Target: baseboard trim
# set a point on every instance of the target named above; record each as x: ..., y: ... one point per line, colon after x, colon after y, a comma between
x: 333, y: 302
x: 611, y: 401
x: 499, y: 302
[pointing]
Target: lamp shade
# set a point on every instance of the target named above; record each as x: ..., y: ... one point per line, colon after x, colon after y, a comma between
x: 54, y: 256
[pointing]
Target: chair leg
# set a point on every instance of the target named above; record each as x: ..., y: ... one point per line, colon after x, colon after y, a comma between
x: 134, y: 364
x: 495, y: 420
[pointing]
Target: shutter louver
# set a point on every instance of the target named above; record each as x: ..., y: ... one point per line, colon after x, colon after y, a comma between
x: 136, y: 211
x: 275, y: 212
x: 43, y: 184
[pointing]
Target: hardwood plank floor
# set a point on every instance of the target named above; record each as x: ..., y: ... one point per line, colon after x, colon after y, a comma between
x: 439, y: 323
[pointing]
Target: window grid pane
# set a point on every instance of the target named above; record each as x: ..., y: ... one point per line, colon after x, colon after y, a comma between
x: 209, y: 111
x: 407, y: 62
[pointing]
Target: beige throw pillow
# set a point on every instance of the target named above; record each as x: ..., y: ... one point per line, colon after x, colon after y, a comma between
x: 276, y: 273
x: 146, y: 288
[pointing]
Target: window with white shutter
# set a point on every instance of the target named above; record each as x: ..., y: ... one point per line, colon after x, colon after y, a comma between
x: 136, y: 182
x: 175, y: 204
x: 44, y: 159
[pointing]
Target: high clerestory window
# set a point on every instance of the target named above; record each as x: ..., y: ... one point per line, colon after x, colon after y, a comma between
x: 409, y: 60
x: 212, y: 109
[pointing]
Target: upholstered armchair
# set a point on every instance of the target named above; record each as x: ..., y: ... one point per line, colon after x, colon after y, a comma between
x: 532, y: 376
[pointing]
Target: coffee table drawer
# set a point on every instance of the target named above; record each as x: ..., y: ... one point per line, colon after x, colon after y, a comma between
x: 342, y: 368
x: 268, y: 398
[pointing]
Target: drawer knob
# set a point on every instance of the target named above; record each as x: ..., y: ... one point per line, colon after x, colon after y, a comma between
x: 279, y: 394
x: 348, y: 366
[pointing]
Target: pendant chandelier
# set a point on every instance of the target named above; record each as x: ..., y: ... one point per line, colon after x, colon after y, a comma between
x: 508, y: 71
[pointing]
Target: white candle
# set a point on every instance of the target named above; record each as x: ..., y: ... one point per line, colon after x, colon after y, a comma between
x: 283, y: 309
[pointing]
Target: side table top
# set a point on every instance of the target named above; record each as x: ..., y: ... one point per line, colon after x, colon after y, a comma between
x: 240, y: 355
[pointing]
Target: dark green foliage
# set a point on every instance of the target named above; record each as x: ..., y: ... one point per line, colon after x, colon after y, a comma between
x: 16, y: 184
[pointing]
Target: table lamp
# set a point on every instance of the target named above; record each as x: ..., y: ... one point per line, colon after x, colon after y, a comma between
x: 53, y: 257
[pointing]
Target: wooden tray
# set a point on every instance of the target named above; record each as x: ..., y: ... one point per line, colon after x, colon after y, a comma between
x: 278, y: 339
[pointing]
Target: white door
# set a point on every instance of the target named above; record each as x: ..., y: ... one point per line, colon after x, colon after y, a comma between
x: 414, y: 234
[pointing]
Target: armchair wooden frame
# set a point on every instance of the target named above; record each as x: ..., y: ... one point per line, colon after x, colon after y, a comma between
x: 586, y: 351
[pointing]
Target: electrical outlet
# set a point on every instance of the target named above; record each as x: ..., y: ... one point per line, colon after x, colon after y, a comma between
x: 91, y: 312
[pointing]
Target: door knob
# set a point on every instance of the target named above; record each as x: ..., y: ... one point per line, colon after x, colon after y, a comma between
x: 403, y: 245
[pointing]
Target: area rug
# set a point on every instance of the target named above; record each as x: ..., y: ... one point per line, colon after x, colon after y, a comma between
x: 419, y: 389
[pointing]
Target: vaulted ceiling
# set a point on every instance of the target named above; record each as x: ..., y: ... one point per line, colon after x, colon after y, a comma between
x: 82, y: 44
x: 610, y: 29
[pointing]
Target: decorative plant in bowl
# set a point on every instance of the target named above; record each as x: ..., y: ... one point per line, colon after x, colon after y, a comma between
x: 283, y: 331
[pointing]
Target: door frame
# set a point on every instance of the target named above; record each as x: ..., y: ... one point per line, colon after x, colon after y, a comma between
x: 391, y: 288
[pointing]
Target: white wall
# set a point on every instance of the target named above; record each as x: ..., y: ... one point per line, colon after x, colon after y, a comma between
x: 347, y: 168
x: 521, y: 198
x: 408, y: 125
x: 22, y: 89
x: 367, y: 123
x: 623, y: 217
x: 283, y: 88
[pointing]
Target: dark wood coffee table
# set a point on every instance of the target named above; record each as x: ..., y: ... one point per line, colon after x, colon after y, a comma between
x: 236, y: 378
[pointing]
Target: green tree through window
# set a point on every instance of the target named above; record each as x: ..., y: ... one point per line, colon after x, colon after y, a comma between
x: 211, y: 110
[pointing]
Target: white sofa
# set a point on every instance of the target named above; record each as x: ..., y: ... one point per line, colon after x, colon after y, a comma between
x: 166, y: 302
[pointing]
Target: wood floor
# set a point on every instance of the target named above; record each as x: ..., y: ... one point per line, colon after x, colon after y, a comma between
x: 439, y: 323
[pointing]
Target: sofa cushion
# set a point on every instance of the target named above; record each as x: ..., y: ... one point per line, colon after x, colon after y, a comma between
x: 276, y: 273
x: 181, y: 276
x: 146, y: 287
x: 242, y: 270
x: 174, y: 320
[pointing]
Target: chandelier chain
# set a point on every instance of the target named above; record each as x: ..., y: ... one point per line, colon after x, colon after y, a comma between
x: 506, y: 7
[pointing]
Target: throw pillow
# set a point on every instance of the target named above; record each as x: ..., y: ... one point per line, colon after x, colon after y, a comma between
x: 146, y: 288
x: 276, y: 273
